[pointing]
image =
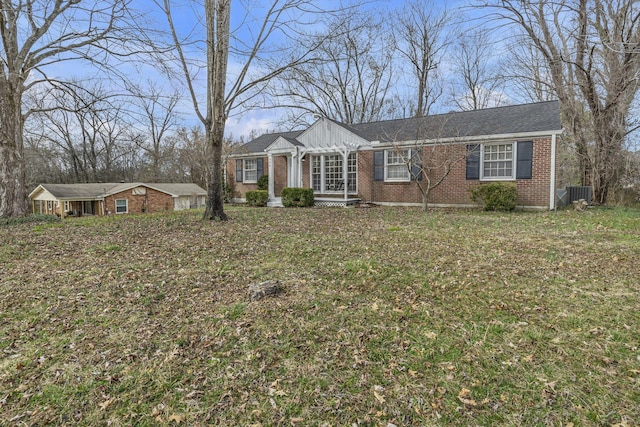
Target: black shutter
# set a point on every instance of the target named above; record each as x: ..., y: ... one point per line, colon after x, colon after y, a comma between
x: 524, y: 169
x: 473, y: 161
x: 416, y: 172
x: 238, y: 170
x: 260, y: 166
x: 416, y: 165
x: 378, y: 165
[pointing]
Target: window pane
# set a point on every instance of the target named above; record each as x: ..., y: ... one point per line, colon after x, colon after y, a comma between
x: 396, y: 167
x: 352, y: 173
x: 250, y: 170
x: 316, y: 173
x: 498, y: 161
x: 333, y: 180
x: 121, y: 206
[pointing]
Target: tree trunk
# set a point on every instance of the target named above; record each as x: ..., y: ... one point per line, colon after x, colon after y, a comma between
x: 13, y: 193
x: 425, y: 201
x: 215, y: 197
x: 218, y: 19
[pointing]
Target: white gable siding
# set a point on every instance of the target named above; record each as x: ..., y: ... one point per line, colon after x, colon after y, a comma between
x: 44, y: 195
x: 280, y: 145
x: 326, y: 134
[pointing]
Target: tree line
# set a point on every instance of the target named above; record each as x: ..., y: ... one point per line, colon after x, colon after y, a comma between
x: 357, y: 63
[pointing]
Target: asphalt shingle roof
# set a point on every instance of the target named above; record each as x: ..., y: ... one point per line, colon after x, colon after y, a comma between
x: 541, y: 116
x: 95, y: 190
x: 261, y: 143
x: 512, y: 119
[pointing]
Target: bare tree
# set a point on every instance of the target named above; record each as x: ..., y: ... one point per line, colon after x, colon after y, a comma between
x: 36, y: 34
x: 351, y: 79
x: 478, y: 82
x: 253, y: 71
x: 592, y: 53
x: 431, y: 157
x: 526, y: 71
x: 87, y: 126
x: 422, y: 41
x: 158, y: 117
x: 192, y: 155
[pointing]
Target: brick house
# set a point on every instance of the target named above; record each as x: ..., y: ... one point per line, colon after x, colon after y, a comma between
x: 376, y: 162
x: 115, y: 198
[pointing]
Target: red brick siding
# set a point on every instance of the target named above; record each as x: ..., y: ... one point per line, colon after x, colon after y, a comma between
x: 454, y: 190
x: 239, y: 189
x: 280, y: 172
x: 157, y: 201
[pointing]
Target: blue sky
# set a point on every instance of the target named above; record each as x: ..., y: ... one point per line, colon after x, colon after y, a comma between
x: 188, y: 18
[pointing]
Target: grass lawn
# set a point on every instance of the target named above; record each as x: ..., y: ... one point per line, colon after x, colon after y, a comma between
x: 387, y: 317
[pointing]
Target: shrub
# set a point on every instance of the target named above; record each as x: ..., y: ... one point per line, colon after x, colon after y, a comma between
x: 257, y: 198
x: 28, y: 219
x: 496, y: 196
x: 263, y: 182
x: 294, y: 196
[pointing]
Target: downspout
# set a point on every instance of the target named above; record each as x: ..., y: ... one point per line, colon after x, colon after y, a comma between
x: 299, y: 177
x: 552, y: 180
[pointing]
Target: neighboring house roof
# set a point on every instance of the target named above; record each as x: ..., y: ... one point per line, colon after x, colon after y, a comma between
x: 100, y: 190
x: 79, y: 191
x: 179, y: 189
x: 507, y: 120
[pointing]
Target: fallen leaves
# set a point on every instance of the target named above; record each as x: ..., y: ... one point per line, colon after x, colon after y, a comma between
x: 463, y: 396
x: 456, y: 320
x: 378, y: 394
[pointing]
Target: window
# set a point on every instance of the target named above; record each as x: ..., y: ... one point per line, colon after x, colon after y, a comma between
x: 503, y: 161
x: 333, y: 173
x: 352, y: 173
x: 396, y: 165
x: 122, y: 206
x: 66, y: 206
x: 316, y: 173
x: 497, y: 161
x: 251, y: 170
x: 49, y: 205
x: 327, y: 173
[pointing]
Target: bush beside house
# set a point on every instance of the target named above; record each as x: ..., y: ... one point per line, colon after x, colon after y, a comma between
x: 496, y: 196
x: 297, y: 197
x: 257, y: 197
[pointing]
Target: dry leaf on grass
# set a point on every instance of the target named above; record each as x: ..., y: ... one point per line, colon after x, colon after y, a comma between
x: 176, y: 418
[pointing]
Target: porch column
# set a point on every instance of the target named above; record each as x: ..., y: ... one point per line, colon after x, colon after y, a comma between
x: 272, y: 192
x: 300, y: 154
x: 345, y: 175
x: 291, y: 171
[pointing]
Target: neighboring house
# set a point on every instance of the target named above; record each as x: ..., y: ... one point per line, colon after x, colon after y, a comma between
x: 115, y: 198
x: 346, y: 164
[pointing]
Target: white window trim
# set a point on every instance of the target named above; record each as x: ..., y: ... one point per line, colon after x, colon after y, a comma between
x: 386, y: 170
x: 66, y: 206
x: 514, y: 157
x: 244, y: 171
x: 323, y: 190
x: 126, y: 206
